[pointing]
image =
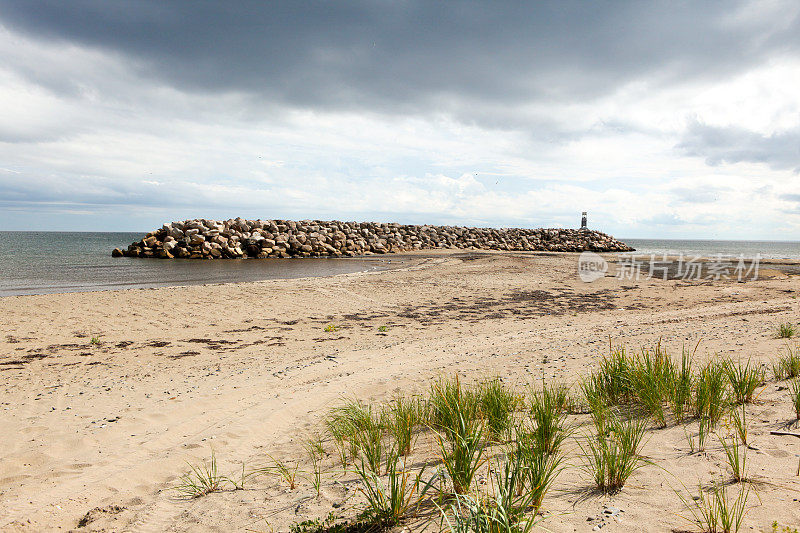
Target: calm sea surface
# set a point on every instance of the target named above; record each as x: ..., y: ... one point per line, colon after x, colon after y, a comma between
x: 727, y: 249
x: 47, y: 262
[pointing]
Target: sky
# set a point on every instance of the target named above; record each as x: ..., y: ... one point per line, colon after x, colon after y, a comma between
x: 661, y: 119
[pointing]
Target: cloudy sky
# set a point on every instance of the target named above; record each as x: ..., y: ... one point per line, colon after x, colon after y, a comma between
x: 662, y: 119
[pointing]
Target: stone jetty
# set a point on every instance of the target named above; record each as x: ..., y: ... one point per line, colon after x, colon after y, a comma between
x: 238, y: 238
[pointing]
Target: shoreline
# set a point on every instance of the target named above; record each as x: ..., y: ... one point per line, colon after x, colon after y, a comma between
x: 785, y: 266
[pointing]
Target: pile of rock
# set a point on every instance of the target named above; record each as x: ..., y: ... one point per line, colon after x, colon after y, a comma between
x: 209, y: 239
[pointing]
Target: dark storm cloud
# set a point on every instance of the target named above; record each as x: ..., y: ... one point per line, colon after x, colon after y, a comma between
x: 734, y: 145
x: 412, y: 56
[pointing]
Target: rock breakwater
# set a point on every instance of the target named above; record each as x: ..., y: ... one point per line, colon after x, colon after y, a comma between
x: 238, y: 238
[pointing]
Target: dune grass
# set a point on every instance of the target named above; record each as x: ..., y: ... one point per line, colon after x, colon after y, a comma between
x: 501, y: 510
x: 496, y: 403
x: 515, y: 441
x: 461, y: 449
x: 345, y: 424
x: 738, y: 421
x: 546, y: 428
x: 315, y: 452
x: 736, y: 455
x: 448, y: 401
x: 611, y: 455
x: 400, y: 418
x: 680, y: 393
x: 651, y: 379
x: 201, y: 479
x: 715, y: 511
x: 744, y: 379
x: 788, y: 364
x: 710, y: 401
x: 794, y: 394
x: 390, y: 500
x: 786, y: 330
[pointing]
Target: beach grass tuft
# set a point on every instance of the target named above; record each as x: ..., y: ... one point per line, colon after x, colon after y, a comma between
x: 501, y: 509
x: 448, y: 401
x: 680, y: 392
x: 788, y: 364
x: 651, y: 378
x: 744, y: 379
x: 201, y: 479
x: 461, y: 447
x: 547, y: 415
x: 285, y: 470
x: 787, y: 330
x: 710, y: 401
x: 714, y: 510
x: 391, y: 500
x: 315, y: 453
x: 400, y: 418
x: 612, y: 453
x: 497, y: 404
x: 345, y: 423
x: 794, y: 394
x: 736, y: 455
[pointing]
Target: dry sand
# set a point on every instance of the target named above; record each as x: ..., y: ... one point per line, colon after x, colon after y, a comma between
x: 248, y: 369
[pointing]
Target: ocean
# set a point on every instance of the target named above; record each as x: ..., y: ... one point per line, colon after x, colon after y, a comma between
x: 48, y: 262
x: 770, y: 250
x: 33, y: 262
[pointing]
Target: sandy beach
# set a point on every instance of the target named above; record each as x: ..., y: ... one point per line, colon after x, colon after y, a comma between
x: 106, y: 396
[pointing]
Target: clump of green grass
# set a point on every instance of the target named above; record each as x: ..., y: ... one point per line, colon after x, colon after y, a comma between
x: 388, y: 502
x: 613, y: 379
x: 345, y: 423
x: 787, y: 331
x: 284, y: 470
x: 315, y: 452
x: 547, y: 416
x: 794, y: 394
x: 714, y: 511
x: 710, y: 398
x: 648, y: 382
x: 400, y: 418
x: 680, y: 393
x: 612, y: 454
x: 201, y: 479
x: 540, y: 468
x: 461, y: 447
x: 736, y: 454
x: 788, y: 365
x: 497, y: 404
x: 95, y: 341
x: 383, y: 329
x: 744, y: 379
x: 596, y: 401
x: 651, y: 379
x: 500, y: 510
x: 448, y: 401
x: 330, y: 328
x: 369, y: 442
